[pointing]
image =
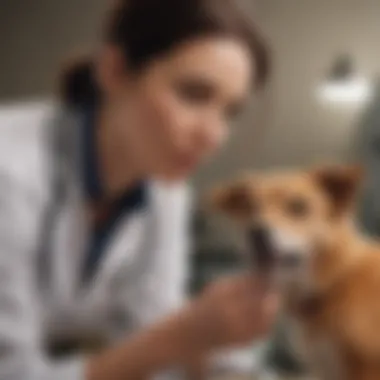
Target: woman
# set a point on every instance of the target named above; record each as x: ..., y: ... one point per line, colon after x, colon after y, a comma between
x: 94, y: 206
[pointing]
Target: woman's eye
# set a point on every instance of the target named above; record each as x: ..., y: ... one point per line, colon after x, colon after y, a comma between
x: 298, y: 208
x: 195, y: 92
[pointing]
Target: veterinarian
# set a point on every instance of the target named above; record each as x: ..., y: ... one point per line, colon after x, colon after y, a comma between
x: 94, y: 206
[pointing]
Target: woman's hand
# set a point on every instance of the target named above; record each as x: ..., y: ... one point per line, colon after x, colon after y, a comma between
x: 232, y: 311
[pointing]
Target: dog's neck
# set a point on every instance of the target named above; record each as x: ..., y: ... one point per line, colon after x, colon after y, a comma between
x: 335, y: 262
x: 339, y: 258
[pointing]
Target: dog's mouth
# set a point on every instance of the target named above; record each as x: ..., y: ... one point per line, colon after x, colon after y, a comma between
x: 266, y: 257
x: 262, y: 252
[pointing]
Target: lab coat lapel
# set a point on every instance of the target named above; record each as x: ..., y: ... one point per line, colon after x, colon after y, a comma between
x: 69, y: 227
x: 129, y: 254
x: 122, y: 252
x: 70, y: 242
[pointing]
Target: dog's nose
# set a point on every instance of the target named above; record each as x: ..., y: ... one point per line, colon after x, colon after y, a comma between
x: 263, y: 253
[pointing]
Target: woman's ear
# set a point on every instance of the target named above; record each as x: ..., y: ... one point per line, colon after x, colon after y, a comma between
x: 340, y: 183
x: 110, y: 69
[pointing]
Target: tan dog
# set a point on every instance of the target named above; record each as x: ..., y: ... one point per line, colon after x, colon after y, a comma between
x: 300, y: 231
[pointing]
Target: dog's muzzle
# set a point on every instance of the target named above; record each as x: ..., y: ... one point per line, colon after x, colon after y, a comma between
x: 266, y: 255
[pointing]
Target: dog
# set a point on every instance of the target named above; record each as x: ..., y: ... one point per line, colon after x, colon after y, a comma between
x: 299, y: 229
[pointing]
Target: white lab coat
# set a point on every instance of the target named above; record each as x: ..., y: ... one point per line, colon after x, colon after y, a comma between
x: 141, y: 279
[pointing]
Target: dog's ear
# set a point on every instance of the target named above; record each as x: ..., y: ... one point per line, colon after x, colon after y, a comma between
x: 234, y: 199
x: 341, y: 184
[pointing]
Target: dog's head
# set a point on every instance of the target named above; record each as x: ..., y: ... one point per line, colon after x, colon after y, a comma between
x: 289, y: 219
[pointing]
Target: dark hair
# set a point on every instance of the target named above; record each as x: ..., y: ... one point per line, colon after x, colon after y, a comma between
x: 146, y: 29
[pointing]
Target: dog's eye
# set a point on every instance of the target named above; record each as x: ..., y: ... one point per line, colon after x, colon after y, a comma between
x: 298, y: 207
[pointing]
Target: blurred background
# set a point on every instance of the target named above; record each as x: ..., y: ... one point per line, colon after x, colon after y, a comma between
x: 323, y: 102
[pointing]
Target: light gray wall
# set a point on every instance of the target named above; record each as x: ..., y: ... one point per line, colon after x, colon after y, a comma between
x: 37, y: 36
x: 285, y: 126
x: 294, y: 127
x: 307, y: 35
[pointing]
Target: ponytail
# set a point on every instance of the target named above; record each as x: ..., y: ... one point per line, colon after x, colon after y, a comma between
x: 77, y: 84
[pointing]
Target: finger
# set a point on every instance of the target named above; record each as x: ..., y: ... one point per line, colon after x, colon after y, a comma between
x: 265, y: 308
x: 259, y: 282
x: 271, y: 304
x: 264, y: 283
x: 270, y: 309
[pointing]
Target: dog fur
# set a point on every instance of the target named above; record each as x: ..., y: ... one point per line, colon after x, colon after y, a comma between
x: 332, y: 289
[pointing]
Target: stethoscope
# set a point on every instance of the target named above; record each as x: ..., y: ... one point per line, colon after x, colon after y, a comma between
x: 57, y: 139
x: 64, y: 141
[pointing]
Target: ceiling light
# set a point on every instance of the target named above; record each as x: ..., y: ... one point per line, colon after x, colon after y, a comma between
x: 344, y: 85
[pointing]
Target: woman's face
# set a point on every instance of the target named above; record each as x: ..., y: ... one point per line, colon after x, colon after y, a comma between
x: 175, y: 113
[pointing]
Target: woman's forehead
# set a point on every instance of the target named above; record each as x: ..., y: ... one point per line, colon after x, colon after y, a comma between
x: 222, y: 61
